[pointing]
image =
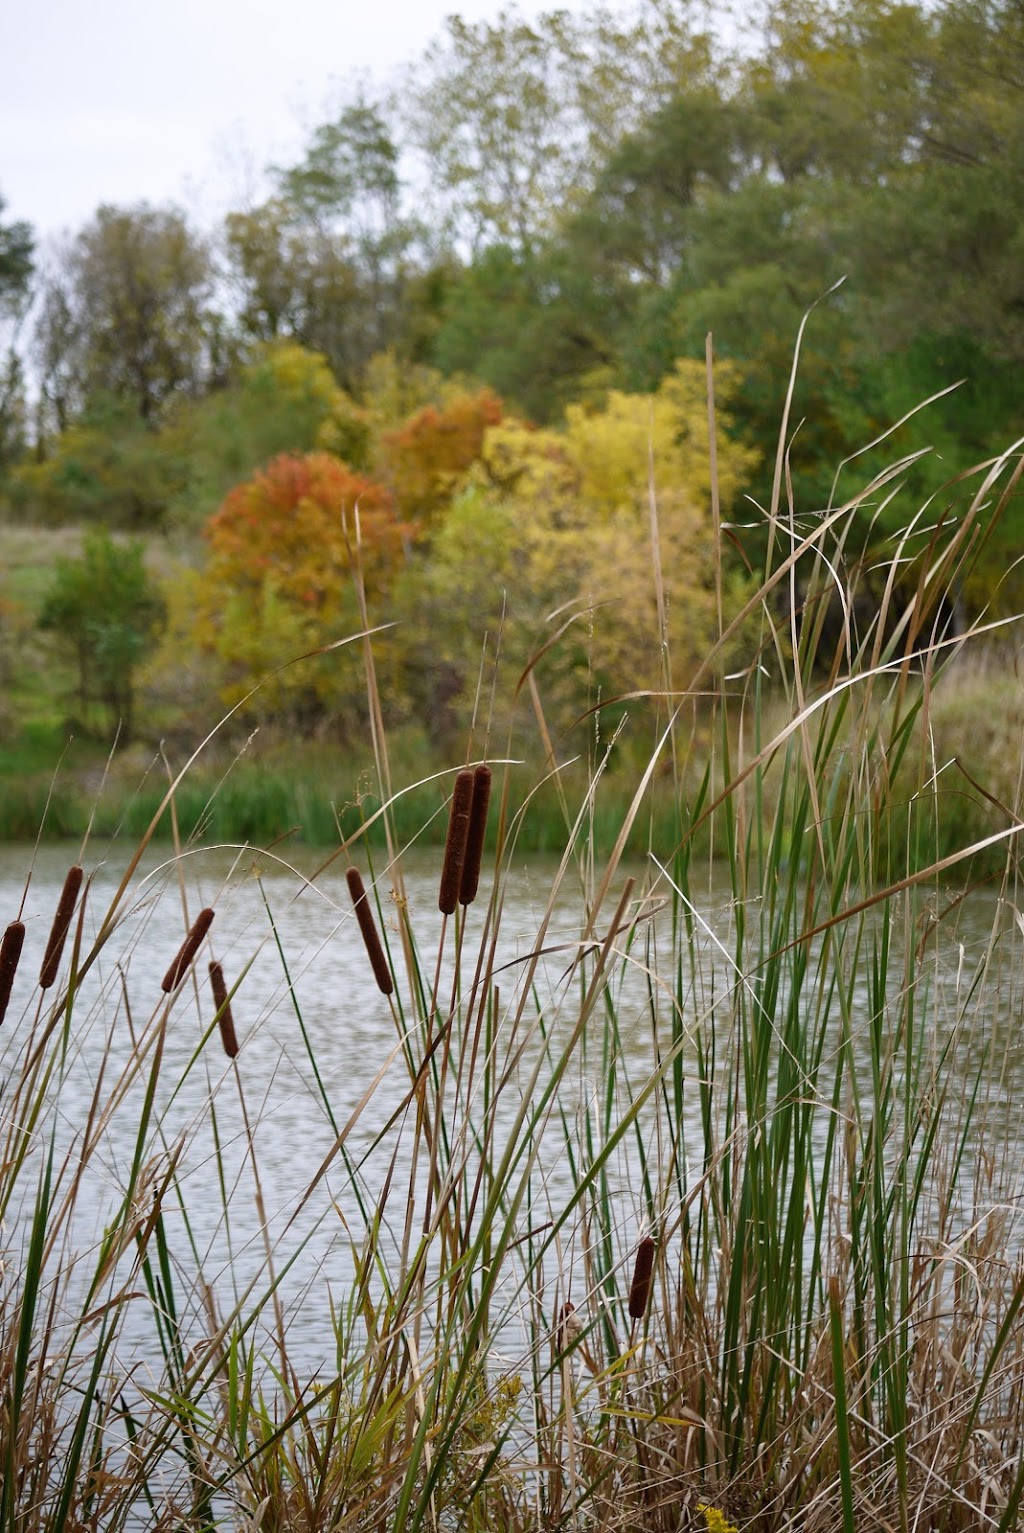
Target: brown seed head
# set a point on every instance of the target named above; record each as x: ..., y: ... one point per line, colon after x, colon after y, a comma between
x: 475, y: 836
x: 188, y: 950
x: 225, y: 1021
x: 455, y: 845
x: 10, y: 952
x: 59, y: 929
x: 570, y: 1327
x: 368, y: 927
x: 640, y: 1288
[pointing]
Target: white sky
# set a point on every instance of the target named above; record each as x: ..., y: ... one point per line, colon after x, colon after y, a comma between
x: 122, y: 101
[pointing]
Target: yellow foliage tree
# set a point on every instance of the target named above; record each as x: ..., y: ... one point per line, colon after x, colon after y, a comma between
x: 617, y: 449
x: 561, y: 520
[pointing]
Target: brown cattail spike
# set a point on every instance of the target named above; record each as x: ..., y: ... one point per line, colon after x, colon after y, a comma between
x: 570, y: 1327
x: 225, y: 1021
x: 475, y: 836
x: 10, y: 952
x: 188, y: 950
x: 455, y: 845
x: 640, y: 1288
x: 371, y: 941
x: 59, y: 929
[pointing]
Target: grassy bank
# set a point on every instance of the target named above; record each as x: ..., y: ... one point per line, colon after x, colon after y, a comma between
x: 707, y: 1214
x: 958, y: 778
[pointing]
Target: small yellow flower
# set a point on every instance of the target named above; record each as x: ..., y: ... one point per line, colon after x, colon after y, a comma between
x: 716, y: 1520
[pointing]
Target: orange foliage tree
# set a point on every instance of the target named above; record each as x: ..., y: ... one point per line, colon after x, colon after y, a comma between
x: 427, y: 459
x: 279, y: 578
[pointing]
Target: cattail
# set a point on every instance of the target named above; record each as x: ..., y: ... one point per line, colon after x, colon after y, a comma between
x: 225, y: 1021
x: 455, y: 844
x: 59, y: 929
x: 570, y: 1327
x: 371, y: 941
x: 188, y: 950
x: 475, y: 836
x: 10, y: 952
x: 640, y: 1287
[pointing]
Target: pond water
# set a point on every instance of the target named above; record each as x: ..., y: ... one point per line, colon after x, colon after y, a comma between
x: 319, y: 1049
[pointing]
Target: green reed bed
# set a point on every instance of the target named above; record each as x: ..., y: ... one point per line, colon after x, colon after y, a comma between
x: 701, y: 1210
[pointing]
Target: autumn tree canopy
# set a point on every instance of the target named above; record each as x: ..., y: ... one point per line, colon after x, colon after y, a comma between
x: 279, y: 579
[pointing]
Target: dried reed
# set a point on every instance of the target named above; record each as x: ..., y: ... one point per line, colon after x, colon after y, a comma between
x: 59, y: 929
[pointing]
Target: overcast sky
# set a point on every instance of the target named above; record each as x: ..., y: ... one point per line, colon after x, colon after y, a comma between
x: 184, y: 100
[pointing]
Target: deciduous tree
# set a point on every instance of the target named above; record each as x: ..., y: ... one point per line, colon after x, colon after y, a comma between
x: 107, y: 611
x: 17, y: 247
x: 127, y: 310
x: 279, y: 578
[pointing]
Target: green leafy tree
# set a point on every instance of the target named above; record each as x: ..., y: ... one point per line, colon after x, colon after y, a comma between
x: 285, y: 399
x: 514, y: 116
x: 127, y: 312
x: 16, y: 269
x: 105, y: 609
x: 107, y: 467
x: 328, y: 260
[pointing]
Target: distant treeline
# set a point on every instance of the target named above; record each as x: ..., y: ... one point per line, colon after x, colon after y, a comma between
x: 549, y: 217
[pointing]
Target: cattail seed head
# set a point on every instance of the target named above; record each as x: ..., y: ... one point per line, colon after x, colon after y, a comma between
x: 368, y: 928
x: 475, y: 835
x: 225, y: 1021
x: 640, y: 1287
x: 10, y: 952
x: 570, y: 1327
x: 455, y: 844
x: 59, y: 929
x: 188, y: 950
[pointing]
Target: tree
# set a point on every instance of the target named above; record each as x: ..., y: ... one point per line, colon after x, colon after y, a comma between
x: 108, y: 467
x: 428, y: 458
x: 126, y: 312
x: 328, y: 259
x: 278, y: 581
x: 513, y: 116
x: 533, y: 326
x: 285, y: 399
x: 559, y: 521
x: 16, y: 269
x: 106, y: 610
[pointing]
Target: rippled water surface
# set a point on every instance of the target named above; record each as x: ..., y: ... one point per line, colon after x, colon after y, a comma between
x: 320, y: 1056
